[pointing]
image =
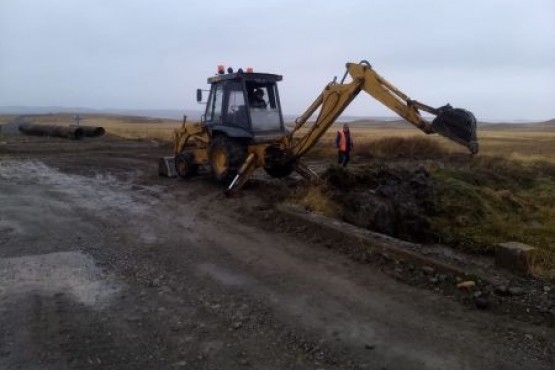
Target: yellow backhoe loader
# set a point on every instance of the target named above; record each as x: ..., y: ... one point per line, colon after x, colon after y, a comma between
x: 242, y: 128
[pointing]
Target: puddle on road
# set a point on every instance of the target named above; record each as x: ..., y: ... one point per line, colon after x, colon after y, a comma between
x: 71, y: 273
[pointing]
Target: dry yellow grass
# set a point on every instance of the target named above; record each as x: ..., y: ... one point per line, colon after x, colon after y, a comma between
x: 6, y: 119
x: 315, y: 199
x: 131, y: 128
x: 522, y: 146
x: 160, y: 131
x: 135, y: 127
x: 518, y: 144
x: 514, y: 144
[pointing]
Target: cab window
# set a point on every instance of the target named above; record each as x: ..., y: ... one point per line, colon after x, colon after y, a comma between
x: 264, y: 106
x: 236, y: 113
x: 214, y: 109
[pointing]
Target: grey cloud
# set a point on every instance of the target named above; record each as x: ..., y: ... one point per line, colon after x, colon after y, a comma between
x: 496, y: 57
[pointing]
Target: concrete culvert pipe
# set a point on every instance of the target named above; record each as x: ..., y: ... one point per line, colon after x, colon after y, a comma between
x: 67, y: 132
x: 93, y: 131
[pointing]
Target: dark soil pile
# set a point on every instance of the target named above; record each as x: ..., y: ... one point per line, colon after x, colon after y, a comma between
x: 471, y: 204
x: 397, y: 200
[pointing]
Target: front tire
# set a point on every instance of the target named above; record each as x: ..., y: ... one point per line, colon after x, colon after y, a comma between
x: 226, y: 157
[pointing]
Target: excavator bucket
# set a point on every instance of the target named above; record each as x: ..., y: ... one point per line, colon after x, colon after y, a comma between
x: 458, y: 125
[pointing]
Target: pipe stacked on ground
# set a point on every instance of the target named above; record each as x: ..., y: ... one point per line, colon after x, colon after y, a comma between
x: 91, y: 131
x: 67, y: 132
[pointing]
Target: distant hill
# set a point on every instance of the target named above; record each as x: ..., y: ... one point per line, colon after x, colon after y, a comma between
x: 549, y: 123
x: 531, y: 126
x: 158, y: 113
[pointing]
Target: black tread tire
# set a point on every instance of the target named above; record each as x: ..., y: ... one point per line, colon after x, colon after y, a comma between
x: 236, y: 153
x: 185, y: 166
x: 279, y: 171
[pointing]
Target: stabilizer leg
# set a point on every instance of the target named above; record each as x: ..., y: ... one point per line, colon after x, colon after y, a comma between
x: 243, y: 175
x: 166, y: 167
x: 303, y: 170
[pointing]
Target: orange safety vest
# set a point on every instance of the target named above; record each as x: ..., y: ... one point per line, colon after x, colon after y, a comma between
x: 343, y: 141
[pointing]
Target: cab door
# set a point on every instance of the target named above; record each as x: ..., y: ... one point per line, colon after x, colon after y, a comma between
x: 236, y: 111
x: 214, y: 108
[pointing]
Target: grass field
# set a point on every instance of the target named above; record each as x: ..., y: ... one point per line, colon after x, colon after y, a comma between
x: 491, y: 200
x: 536, y: 143
x: 511, y: 144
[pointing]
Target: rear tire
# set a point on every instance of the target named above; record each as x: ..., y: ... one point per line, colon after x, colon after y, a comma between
x: 226, y: 157
x: 185, y: 166
x: 278, y: 162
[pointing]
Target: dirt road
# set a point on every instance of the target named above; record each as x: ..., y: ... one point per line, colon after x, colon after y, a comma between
x: 104, y: 265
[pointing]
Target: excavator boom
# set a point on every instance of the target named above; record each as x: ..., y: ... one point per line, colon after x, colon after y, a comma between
x: 456, y: 124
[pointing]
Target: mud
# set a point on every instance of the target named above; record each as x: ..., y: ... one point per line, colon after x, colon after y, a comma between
x: 104, y: 265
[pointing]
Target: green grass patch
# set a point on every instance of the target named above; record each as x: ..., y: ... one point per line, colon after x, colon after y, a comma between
x: 491, y: 200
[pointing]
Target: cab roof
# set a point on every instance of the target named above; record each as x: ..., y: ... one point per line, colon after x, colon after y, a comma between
x: 258, y: 77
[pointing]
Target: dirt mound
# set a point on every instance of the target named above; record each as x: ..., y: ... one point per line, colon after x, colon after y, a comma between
x: 390, y: 199
x: 470, y: 204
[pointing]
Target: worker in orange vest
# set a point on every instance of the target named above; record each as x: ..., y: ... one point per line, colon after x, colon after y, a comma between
x: 344, y: 145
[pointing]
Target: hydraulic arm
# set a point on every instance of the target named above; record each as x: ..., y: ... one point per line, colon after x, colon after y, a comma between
x: 456, y: 124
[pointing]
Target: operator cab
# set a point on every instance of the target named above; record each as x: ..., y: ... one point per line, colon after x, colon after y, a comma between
x: 244, y: 105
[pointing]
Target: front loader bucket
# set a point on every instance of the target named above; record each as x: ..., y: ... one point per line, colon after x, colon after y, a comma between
x: 166, y: 167
x: 458, y: 125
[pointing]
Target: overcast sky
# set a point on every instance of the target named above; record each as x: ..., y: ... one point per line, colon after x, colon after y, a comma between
x: 493, y: 57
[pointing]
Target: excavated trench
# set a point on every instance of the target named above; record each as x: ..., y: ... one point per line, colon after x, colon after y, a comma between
x: 396, y: 200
